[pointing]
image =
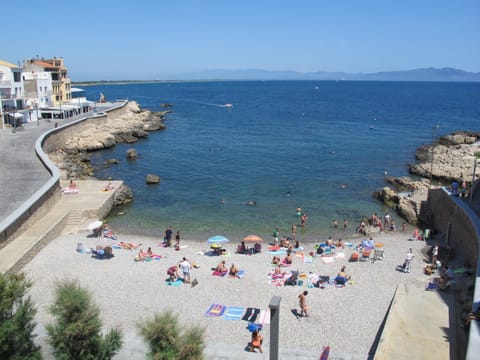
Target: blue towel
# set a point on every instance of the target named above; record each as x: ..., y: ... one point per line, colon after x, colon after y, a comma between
x: 234, y: 313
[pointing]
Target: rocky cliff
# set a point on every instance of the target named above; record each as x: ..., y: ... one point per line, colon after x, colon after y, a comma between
x: 450, y: 158
x: 126, y: 125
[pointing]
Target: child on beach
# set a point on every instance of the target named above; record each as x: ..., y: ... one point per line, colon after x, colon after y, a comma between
x: 256, y: 342
x: 302, y: 301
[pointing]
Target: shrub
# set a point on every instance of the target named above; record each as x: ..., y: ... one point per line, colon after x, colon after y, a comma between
x: 16, y: 319
x: 76, y: 333
x: 167, y: 342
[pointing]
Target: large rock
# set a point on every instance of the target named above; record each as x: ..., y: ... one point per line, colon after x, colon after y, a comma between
x: 152, y: 179
x: 122, y: 196
x: 131, y: 154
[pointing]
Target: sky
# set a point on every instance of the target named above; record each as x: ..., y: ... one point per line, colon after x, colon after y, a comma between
x: 157, y: 39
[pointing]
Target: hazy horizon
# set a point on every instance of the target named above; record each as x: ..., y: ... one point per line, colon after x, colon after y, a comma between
x: 148, y: 40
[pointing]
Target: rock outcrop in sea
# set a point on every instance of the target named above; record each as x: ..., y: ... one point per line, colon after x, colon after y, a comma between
x: 450, y: 158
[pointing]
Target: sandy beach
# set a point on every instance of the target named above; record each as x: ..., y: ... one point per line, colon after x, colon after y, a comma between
x: 347, y: 319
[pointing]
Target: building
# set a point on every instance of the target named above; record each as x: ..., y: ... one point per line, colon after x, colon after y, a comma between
x: 11, y: 93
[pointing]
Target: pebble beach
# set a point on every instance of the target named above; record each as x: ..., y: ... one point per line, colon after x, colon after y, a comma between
x: 128, y: 292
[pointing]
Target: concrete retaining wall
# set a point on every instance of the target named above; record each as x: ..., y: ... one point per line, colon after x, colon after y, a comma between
x: 465, y: 238
x: 44, y: 199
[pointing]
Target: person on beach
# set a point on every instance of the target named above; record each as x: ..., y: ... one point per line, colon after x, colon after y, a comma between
x: 276, y: 260
x: 303, y: 220
x: 408, y: 261
x: 340, y: 244
x: 168, y: 236
x: 177, y: 240
x: 302, y: 301
x: 435, y: 255
x: 233, y: 270
x: 288, y: 259
x: 172, y: 273
x: 335, y: 224
x: 404, y: 227
x: 149, y: 253
x: 345, y: 225
x: 294, y: 231
x: 256, y: 342
x: 221, y: 267
x: 140, y: 256
x: 342, y: 276
x: 185, y: 266
x: 275, y: 235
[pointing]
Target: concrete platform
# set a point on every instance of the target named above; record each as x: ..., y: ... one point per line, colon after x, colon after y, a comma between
x: 73, y: 212
x: 418, y: 325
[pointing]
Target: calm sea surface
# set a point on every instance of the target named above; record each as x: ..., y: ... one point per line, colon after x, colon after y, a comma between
x: 284, y: 144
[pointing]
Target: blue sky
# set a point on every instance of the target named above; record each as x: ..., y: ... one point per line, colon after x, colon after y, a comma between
x: 110, y: 40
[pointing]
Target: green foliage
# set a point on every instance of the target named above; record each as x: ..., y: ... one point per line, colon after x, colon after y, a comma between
x: 167, y: 342
x: 476, y: 154
x: 76, y: 333
x: 16, y: 319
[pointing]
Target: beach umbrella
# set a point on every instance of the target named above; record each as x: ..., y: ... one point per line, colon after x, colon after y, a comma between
x: 95, y: 225
x: 252, y: 238
x: 217, y: 239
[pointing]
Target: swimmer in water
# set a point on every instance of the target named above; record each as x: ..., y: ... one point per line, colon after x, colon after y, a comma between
x: 252, y: 203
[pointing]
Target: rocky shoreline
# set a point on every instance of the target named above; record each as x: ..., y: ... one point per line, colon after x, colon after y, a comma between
x: 71, y: 153
x: 450, y: 158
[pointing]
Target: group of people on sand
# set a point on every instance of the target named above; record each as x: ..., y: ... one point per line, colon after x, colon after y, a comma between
x: 185, y: 266
x: 222, y: 269
x: 167, y: 238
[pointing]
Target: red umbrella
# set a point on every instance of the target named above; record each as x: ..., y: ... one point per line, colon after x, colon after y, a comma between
x: 253, y: 238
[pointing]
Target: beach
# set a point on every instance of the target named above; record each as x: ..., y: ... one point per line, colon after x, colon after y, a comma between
x: 127, y: 292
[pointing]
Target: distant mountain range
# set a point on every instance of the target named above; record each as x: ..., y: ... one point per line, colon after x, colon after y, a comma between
x: 425, y: 74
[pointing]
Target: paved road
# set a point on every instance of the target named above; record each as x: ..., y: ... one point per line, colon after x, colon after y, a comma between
x: 21, y: 173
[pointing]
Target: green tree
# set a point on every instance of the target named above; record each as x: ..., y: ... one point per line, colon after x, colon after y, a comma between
x: 16, y: 319
x: 167, y: 342
x: 76, y: 333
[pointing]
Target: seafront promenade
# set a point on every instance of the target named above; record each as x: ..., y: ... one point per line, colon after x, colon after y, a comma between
x: 430, y: 312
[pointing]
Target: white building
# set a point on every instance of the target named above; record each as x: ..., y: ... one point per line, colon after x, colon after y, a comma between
x: 11, y: 93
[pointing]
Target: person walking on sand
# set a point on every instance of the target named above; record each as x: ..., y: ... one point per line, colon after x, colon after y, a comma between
x: 302, y: 301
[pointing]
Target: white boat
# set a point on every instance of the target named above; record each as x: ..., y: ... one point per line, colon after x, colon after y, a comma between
x: 228, y: 106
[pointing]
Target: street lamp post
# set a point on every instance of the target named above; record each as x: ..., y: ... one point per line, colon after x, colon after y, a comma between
x: 35, y: 106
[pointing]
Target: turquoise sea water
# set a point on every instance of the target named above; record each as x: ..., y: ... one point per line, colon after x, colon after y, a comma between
x: 284, y: 144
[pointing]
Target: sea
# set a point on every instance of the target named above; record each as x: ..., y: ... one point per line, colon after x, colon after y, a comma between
x: 319, y: 147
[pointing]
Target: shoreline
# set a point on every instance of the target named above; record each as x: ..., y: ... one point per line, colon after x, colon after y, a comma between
x: 128, y: 291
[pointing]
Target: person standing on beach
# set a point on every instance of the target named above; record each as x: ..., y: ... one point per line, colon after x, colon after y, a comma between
x: 302, y: 301
x: 408, y: 261
x: 177, y: 240
x: 168, y: 236
x: 276, y: 234
x: 345, y: 225
x: 294, y: 231
x: 185, y: 266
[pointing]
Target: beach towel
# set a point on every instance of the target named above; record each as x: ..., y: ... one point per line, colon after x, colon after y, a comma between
x: 251, y: 314
x: 340, y: 255
x: 328, y: 259
x: 175, y: 283
x: 308, y: 259
x: 234, y: 313
x: 215, y: 310
x: 263, y: 317
x: 239, y: 275
x: 218, y: 273
x: 277, y: 252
